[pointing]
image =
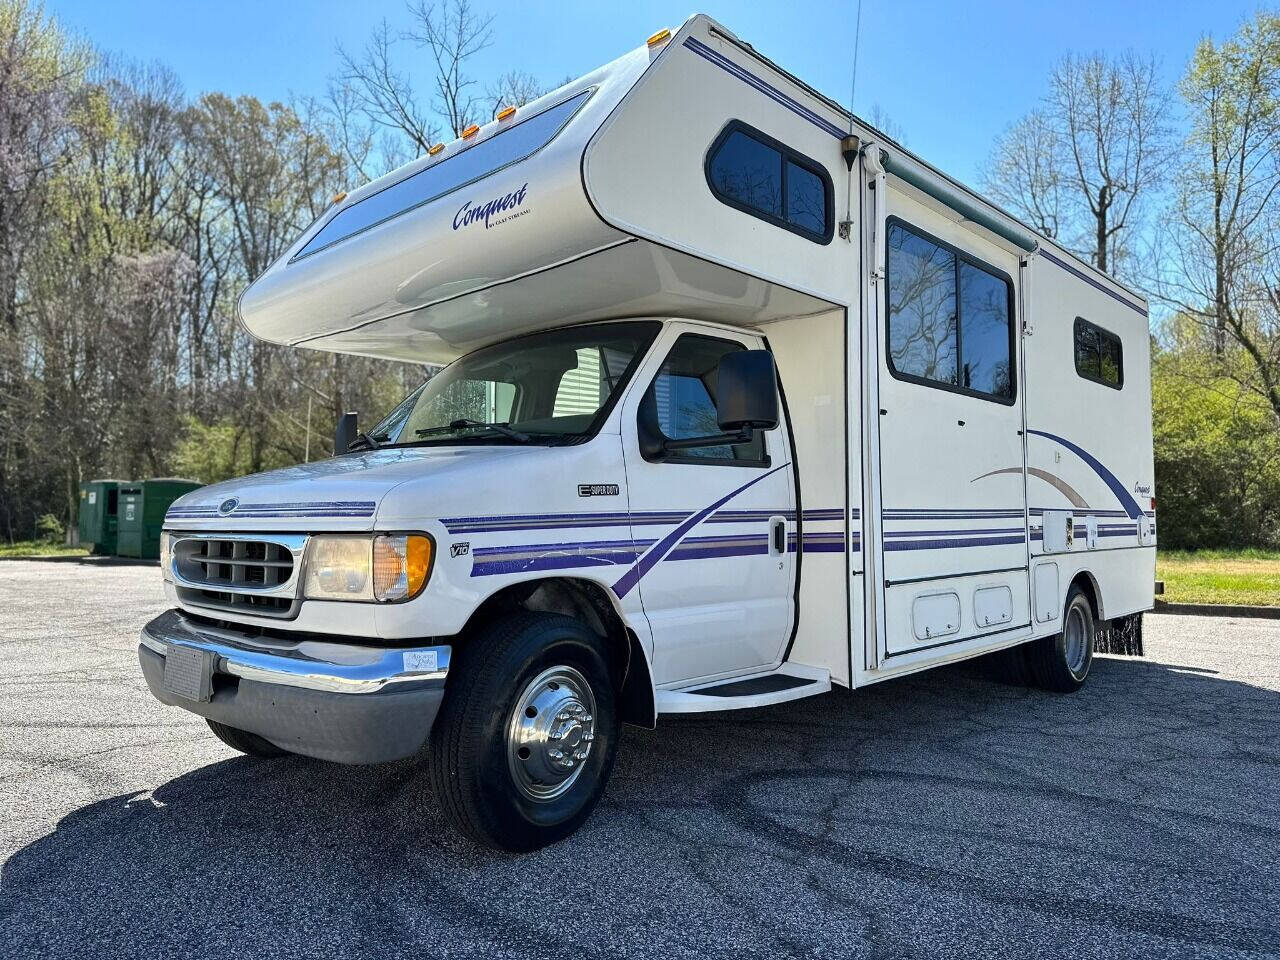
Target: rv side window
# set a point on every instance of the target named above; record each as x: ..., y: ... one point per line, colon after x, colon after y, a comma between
x: 684, y: 394
x: 950, y: 318
x: 756, y: 174
x: 1098, y: 354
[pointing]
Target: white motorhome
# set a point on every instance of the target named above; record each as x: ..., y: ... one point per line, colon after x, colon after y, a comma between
x: 743, y: 401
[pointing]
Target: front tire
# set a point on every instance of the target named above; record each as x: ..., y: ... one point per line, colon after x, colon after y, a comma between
x: 526, y: 736
x: 244, y: 741
x: 1061, y: 663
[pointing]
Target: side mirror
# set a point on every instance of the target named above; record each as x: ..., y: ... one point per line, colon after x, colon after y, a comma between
x: 747, y: 391
x: 746, y: 401
x: 345, y: 433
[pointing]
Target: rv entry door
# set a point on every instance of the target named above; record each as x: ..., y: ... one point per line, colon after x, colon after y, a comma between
x: 953, y: 493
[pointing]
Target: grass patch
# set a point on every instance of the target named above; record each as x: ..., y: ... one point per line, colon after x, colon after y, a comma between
x: 1250, y: 577
x: 40, y: 548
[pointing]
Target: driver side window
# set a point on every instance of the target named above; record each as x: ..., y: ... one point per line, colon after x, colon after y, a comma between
x: 684, y: 397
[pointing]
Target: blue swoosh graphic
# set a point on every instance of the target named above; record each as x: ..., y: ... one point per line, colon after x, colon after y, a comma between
x: 628, y: 580
x: 1123, y: 495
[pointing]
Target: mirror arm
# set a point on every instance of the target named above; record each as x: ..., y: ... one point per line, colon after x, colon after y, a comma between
x: 714, y: 440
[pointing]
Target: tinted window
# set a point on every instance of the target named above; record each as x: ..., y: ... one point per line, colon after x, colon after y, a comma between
x: 508, y: 146
x: 984, y: 332
x: 749, y: 172
x: 922, y: 308
x: 1098, y: 354
x: 806, y: 199
x: 753, y: 172
x: 684, y: 394
x: 949, y: 317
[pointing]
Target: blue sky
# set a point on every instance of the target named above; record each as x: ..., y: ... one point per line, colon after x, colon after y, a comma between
x: 950, y: 74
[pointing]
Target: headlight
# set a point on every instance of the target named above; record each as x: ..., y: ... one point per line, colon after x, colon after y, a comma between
x: 386, y: 567
x: 166, y: 555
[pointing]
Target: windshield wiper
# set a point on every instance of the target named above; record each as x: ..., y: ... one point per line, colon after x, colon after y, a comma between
x: 364, y: 441
x: 464, y: 423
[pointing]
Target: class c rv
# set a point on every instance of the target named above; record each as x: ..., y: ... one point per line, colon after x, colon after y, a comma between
x: 741, y: 401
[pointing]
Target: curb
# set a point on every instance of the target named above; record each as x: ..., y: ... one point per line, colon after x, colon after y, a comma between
x: 1216, y: 610
x: 91, y: 561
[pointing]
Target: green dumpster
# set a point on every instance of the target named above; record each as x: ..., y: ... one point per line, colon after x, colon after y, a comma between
x: 143, y: 505
x: 99, y: 500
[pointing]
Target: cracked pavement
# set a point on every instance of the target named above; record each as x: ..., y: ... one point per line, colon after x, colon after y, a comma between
x: 942, y: 815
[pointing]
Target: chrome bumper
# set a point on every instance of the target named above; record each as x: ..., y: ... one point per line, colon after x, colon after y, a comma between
x: 337, y: 701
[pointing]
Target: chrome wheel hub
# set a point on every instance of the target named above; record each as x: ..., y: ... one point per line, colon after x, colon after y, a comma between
x: 551, y: 732
x: 1078, y: 640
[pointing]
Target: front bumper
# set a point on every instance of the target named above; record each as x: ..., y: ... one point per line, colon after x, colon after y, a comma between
x: 335, y: 701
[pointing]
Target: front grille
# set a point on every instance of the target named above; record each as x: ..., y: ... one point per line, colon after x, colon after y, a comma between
x: 240, y: 602
x: 236, y: 573
x: 238, y: 563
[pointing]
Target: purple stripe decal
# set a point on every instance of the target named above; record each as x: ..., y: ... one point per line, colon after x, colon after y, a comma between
x: 773, y: 93
x: 561, y: 561
x: 627, y: 582
x: 946, y: 544
x: 1092, y: 282
x: 943, y: 533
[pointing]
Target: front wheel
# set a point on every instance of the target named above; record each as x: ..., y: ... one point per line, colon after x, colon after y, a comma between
x: 525, y: 739
x: 1061, y: 663
x: 244, y: 741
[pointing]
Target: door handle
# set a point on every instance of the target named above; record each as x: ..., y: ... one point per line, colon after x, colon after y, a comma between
x: 777, y: 536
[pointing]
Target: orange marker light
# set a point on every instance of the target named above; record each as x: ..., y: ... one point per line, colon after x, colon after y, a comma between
x: 471, y: 131
x: 340, y: 196
x: 432, y: 151
x: 506, y: 112
x: 659, y: 37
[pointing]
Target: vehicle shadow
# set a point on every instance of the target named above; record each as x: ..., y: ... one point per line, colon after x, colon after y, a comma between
x: 943, y: 814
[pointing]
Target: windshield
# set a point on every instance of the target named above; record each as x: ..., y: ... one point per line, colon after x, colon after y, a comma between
x: 546, y: 388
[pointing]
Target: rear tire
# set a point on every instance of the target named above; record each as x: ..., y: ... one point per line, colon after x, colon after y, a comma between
x: 244, y: 741
x: 524, y: 741
x: 1061, y: 663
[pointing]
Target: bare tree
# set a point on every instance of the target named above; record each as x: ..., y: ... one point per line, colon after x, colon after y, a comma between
x: 373, y: 85
x: 514, y: 88
x: 884, y: 122
x: 453, y: 33
x: 1222, y: 263
x: 1082, y: 164
x: 39, y: 72
x: 1114, y: 114
x: 1025, y: 173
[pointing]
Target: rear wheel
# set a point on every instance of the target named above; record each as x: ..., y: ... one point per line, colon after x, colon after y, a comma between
x: 1061, y: 662
x: 525, y: 739
x: 244, y: 741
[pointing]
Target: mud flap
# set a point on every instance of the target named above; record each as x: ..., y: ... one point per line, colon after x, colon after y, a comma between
x: 1122, y: 636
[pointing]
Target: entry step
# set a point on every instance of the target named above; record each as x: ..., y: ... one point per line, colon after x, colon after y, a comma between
x: 791, y: 681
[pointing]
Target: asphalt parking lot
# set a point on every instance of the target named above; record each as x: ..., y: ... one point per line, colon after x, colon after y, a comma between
x: 944, y: 815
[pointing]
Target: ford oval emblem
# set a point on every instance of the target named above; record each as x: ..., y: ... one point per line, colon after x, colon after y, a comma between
x: 226, y: 506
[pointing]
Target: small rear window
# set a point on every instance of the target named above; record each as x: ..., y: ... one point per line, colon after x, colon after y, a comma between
x: 756, y: 174
x: 1099, y: 356
x: 506, y: 147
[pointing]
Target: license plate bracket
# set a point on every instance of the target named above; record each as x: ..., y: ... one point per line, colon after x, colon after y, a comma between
x: 188, y: 672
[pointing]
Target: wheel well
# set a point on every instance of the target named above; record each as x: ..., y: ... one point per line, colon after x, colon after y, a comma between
x: 1089, y: 587
x: 590, y: 603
